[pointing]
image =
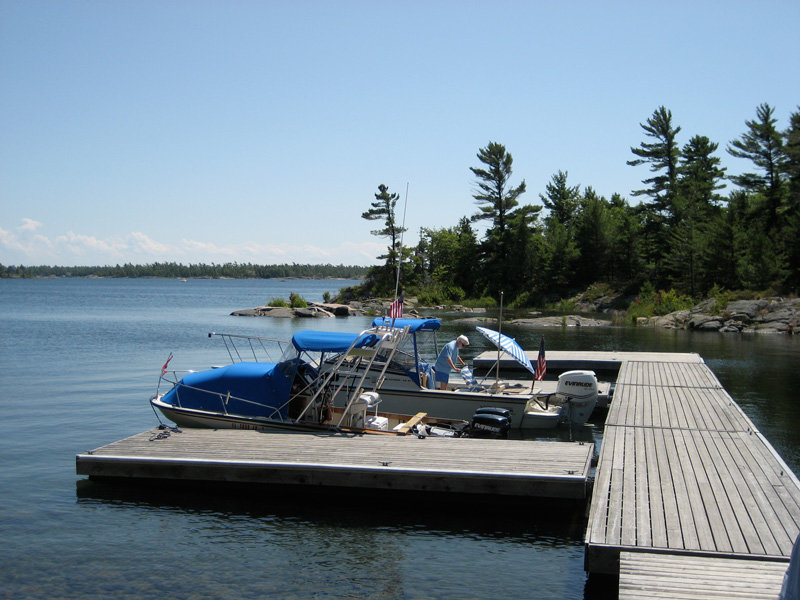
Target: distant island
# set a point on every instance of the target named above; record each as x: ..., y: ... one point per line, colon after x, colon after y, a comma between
x: 176, y: 270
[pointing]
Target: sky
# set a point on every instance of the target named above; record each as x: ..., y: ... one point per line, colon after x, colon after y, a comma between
x: 259, y: 131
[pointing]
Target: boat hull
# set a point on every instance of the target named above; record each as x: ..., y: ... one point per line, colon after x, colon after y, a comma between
x: 464, y: 404
x: 528, y: 410
x: 194, y: 418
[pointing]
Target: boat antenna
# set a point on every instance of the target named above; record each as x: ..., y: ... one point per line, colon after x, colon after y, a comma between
x: 400, y: 253
x: 499, y: 337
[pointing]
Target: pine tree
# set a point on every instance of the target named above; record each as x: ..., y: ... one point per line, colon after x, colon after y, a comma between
x: 560, y: 199
x: 384, y: 209
x: 497, y: 202
x: 697, y: 203
x: 762, y: 144
x: 662, y: 155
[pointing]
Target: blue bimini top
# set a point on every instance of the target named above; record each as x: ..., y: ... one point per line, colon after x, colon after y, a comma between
x: 414, y: 325
x: 330, y: 341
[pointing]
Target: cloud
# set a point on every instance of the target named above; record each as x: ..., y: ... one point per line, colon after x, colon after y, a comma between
x: 25, y: 246
x: 29, y: 225
x: 142, y: 243
x: 81, y: 245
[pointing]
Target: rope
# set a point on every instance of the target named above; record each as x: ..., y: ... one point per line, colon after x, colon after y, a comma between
x: 165, y: 432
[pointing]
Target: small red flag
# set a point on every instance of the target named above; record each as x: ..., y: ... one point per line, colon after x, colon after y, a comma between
x: 164, y: 368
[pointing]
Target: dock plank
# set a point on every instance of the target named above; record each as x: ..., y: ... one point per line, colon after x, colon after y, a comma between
x: 690, y: 469
x: 503, y: 467
x: 670, y: 577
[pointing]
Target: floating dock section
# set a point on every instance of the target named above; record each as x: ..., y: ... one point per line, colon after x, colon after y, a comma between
x: 645, y: 576
x: 502, y: 469
x: 602, y: 363
x: 684, y: 476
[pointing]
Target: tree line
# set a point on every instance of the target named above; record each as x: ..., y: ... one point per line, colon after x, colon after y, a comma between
x: 176, y: 270
x: 684, y: 234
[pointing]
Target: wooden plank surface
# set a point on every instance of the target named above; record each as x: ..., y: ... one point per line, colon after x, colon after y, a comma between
x: 668, y: 577
x: 511, y: 467
x: 683, y: 470
x: 598, y: 360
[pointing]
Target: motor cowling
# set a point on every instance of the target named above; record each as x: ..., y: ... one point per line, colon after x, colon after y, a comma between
x: 577, y: 390
x: 490, y: 422
x: 580, y: 387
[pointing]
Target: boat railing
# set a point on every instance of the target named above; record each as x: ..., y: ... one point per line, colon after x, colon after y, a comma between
x: 352, y: 367
x: 171, y: 377
x: 250, y: 345
x: 225, y: 399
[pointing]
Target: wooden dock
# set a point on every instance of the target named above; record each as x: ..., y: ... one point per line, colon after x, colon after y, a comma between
x: 682, y: 471
x: 502, y: 469
x: 558, y: 361
x: 669, y: 577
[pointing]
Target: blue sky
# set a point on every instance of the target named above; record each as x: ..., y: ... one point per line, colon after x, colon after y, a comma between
x: 257, y: 131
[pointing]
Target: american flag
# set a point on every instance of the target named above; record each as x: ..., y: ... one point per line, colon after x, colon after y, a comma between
x: 396, y: 308
x: 541, y: 363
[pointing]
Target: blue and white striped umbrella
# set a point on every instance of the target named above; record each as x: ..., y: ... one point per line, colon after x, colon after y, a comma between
x: 508, y: 345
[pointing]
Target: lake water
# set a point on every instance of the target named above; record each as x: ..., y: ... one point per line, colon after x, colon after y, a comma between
x: 80, y: 359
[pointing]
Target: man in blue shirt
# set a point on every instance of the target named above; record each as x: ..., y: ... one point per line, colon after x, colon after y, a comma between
x: 446, y: 361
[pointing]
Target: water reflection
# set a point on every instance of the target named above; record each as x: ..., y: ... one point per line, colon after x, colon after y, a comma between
x: 354, y: 547
x: 271, y: 508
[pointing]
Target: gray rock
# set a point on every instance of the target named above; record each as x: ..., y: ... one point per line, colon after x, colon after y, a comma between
x: 705, y: 323
x: 751, y: 308
x: 565, y: 321
x: 265, y: 311
x: 311, y: 312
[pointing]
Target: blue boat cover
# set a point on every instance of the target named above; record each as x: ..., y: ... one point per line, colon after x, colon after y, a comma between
x: 265, y: 386
x: 329, y: 341
x: 414, y: 324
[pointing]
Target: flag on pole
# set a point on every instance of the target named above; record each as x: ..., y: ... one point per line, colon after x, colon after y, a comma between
x: 541, y: 363
x: 164, y: 368
x: 396, y: 308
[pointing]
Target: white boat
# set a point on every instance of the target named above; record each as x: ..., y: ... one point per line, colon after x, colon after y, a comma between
x: 404, y: 380
x: 407, y: 384
x: 293, y: 394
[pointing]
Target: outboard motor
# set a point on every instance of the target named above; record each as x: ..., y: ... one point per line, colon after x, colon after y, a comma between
x: 490, y: 422
x: 578, y: 391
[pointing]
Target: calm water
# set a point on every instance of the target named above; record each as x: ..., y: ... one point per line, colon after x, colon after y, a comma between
x: 80, y: 360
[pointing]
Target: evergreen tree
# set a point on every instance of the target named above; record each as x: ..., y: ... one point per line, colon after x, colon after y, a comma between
x: 592, y: 233
x: 450, y: 258
x: 382, y: 278
x: 384, y: 209
x: 697, y: 203
x: 466, y: 259
x: 525, y: 252
x: 497, y: 201
x: 662, y: 155
x: 560, y: 257
x: 792, y: 227
x: 624, y: 257
x: 723, y: 242
x: 560, y: 199
x: 762, y: 144
x: 792, y: 164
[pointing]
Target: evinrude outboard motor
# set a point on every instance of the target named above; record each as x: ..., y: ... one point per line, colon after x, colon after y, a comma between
x: 578, y: 389
x: 490, y: 422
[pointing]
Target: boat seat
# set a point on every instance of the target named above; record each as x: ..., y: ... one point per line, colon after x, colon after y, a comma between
x: 364, y: 402
x: 473, y: 385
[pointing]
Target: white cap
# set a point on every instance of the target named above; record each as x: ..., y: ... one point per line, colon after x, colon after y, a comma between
x: 463, y: 339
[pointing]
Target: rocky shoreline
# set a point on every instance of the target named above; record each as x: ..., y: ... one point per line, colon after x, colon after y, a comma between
x: 767, y: 315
